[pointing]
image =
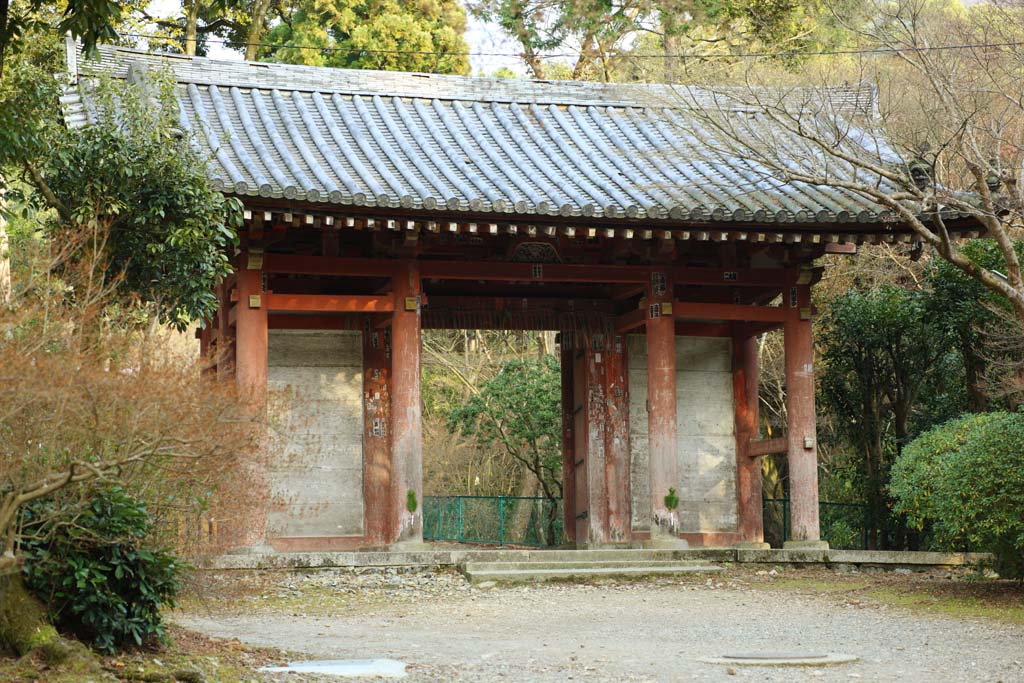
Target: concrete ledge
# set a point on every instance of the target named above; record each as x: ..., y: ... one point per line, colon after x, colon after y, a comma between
x: 449, y: 557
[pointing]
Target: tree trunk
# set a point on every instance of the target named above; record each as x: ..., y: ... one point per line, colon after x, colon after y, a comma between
x: 5, y: 254
x: 23, y: 623
x: 523, y: 508
x: 191, y: 20
x: 254, y: 32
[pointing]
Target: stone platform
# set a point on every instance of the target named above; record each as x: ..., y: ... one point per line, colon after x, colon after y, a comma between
x: 446, y: 556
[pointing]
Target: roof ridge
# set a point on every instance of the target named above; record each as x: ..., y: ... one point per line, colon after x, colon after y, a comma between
x: 292, y: 77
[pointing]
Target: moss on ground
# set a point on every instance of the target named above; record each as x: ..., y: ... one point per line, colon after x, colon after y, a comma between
x: 191, y: 658
x: 962, y: 596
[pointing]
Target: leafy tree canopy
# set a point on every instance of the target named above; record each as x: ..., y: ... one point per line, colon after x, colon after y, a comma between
x: 372, y: 34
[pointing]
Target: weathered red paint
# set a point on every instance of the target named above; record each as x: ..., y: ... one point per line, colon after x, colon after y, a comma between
x: 580, y: 470
x: 661, y: 407
x: 616, y: 445
x: 329, y: 303
x: 378, y: 511
x: 251, y: 336
x: 745, y: 376
x: 800, y: 414
x: 406, y: 412
x: 568, y: 439
x: 225, y: 347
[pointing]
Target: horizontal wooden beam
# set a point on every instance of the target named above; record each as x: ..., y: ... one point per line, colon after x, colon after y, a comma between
x: 505, y: 271
x: 329, y: 265
x: 329, y: 303
x: 767, y: 446
x: 709, y: 311
x: 631, y: 321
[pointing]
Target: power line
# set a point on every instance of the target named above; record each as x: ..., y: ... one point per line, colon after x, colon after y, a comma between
x: 631, y: 55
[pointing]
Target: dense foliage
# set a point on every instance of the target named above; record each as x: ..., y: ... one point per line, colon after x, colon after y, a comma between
x: 374, y: 34
x: 965, y: 481
x: 519, y: 410
x: 93, y: 568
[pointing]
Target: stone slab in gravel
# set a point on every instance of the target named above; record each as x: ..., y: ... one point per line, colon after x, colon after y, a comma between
x: 622, y: 633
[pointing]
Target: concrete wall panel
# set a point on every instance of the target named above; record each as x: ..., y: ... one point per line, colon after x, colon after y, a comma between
x: 706, y: 434
x: 316, y: 418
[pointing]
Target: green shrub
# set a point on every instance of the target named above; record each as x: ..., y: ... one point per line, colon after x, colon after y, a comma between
x: 89, y: 564
x: 966, y: 479
x: 915, y: 476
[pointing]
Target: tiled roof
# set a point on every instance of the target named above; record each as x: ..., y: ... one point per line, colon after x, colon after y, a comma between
x: 482, y: 145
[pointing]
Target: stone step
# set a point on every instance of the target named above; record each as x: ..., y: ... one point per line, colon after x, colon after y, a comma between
x: 486, y: 566
x: 606, y: 555
x: 577, y: 573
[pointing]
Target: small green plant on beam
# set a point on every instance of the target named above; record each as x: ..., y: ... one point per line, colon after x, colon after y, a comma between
x: 671, y: 500
x: 410, y: 502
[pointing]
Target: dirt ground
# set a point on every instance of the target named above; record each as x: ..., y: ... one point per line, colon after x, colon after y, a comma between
x: 931, y: 628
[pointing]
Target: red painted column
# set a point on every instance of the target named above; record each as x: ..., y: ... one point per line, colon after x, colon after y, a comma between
x: 595, y: 359
x: 250, y: 368
x: 225, y: 343
x: 661, y: 404
x: 251, y: 336
x: 801, y: 428
x: 379, y: 529
x: 568, y: 438
x: 616, y: 444
x: 406, y: 411
x: 745, y: 384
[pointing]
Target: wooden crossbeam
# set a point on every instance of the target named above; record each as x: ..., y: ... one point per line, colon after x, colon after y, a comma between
x: 767, y: 446
x: 329, y: 303
x: 504, y: 271
x: 710, y: 311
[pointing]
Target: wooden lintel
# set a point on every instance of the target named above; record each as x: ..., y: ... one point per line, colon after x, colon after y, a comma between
x: 711, y: 311
x: 630, y: 321
x: 326, y: 265
x: 514, y: 304
x: 840, y: 248
x: 767, y: 446
x: 329, y: 303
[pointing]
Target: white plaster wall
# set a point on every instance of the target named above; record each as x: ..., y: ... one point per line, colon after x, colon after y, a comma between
x: 315, y: 463
x: 705, y: 426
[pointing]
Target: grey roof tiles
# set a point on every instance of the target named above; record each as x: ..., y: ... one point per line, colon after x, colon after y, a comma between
x: 499, y: 146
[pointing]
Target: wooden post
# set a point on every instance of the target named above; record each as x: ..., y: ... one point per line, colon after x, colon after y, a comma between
x: 616, y: 446
x: 377, y: 495
x: 406, y: 415
x: 661, y: 404
x: 801, y: 431
x: 745, y: 385
x: 225, y: 342
x: 595, y: 359
x: 568, y: 440
x: 251, y: 336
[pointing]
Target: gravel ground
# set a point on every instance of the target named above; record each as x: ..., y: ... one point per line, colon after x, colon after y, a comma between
x: 657, y: 631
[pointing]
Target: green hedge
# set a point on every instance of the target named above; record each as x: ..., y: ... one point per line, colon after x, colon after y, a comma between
x: 964, y: 481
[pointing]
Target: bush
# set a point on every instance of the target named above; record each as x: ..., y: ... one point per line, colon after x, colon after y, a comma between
x: 966, y: 479
x: 89, y: 564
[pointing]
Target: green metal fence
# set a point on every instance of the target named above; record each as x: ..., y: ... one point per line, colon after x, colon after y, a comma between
x: 844, y: 525
x: 498, y: 520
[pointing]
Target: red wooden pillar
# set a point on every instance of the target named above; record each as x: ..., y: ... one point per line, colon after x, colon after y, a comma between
x: 661, y: 404
x: 251, y: 336
x: 406, y: 413
x: 568, y: 439
x: 745, y: 384
x: 379, y: 529
x: 801, y: 430
x: 616, y: 445
x: 225, y: 347
x: 595, y: 359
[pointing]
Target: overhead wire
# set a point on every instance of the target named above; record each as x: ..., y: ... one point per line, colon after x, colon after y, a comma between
x: 619, y: 53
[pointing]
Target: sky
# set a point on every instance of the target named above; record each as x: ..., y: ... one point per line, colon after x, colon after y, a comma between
x: 482, y: 38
